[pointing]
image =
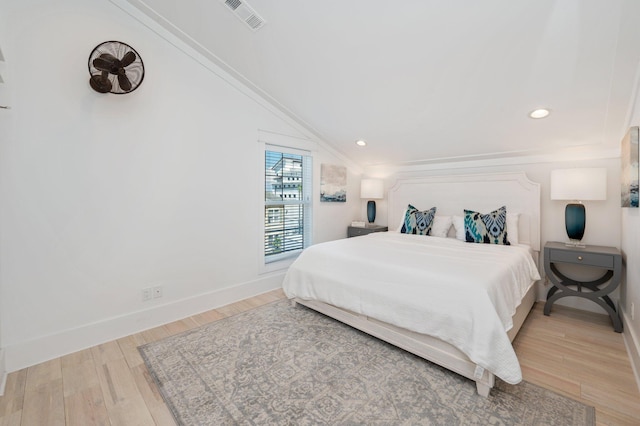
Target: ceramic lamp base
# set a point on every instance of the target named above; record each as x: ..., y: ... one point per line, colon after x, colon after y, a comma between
x: 371, y: 211
x: 574, y: 219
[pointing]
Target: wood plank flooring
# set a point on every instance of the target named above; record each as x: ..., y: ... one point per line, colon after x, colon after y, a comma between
x: 571, y: 352
x: 577, y: 354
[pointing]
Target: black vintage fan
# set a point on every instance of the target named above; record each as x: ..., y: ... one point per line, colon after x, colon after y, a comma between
x: 115, y: 67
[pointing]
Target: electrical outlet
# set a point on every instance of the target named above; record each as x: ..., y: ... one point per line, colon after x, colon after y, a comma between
x: 157, y: 291
x: 147, y: 294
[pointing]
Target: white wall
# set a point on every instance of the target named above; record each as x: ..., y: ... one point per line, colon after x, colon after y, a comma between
x: 5, y: 125
x: 4, y: 134
x: 104, y: 195
x: 631, y: 254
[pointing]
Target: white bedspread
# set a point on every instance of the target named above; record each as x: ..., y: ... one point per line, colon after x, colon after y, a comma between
x: 462, y: 293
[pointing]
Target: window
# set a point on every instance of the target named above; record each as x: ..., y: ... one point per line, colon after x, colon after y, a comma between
x: 287, y: 203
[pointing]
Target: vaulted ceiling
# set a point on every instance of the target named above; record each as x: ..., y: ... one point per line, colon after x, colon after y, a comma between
x: 432, y: 80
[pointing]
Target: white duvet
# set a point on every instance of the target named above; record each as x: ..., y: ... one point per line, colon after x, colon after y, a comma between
x: 462, y: 293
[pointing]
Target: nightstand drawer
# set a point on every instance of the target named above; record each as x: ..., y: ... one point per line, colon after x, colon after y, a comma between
x: 589, y: 259
x: 356, y: 231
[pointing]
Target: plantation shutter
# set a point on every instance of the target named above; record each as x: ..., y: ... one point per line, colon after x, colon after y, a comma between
x: 287, y: 202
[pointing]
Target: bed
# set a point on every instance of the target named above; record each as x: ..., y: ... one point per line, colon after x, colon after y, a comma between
x: 454, y: 303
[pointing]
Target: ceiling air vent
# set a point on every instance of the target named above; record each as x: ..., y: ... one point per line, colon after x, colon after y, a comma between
x: 245, y: 13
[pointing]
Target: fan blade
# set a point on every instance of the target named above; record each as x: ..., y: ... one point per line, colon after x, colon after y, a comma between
x: 107, y: 62
x: 123, y: 81
x: 107, y: 66
x: 108, y: 57
x: 127, y: 59
x: 101, y: 65
x: 100, y: 83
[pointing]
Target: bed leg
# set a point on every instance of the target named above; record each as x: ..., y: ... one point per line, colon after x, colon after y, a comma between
x: 483, y: 389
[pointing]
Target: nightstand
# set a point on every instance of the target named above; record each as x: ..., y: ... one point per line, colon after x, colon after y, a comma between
x: 356, y: 231
x: 608, y: 258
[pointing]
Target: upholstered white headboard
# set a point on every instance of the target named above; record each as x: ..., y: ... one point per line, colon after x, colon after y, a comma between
x: 479, y: 192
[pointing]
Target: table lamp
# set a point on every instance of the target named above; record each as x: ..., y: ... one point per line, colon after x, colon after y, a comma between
x: 371, y: 188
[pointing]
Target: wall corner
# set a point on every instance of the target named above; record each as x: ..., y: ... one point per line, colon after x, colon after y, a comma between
x: 3, y: 373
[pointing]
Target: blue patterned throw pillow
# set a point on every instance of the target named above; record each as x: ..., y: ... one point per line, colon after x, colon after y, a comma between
x: 406, y: 225
x: 418, y: 222
x: 488, y: 228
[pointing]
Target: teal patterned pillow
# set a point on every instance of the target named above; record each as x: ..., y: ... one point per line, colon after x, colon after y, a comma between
x: 488, y: 228
x: 418, y: 222
x: 406, y: 225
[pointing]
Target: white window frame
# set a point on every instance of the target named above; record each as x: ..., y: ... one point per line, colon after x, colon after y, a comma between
x: 279, y: 143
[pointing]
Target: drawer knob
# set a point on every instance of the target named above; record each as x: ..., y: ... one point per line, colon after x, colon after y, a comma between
x: 579, y: 257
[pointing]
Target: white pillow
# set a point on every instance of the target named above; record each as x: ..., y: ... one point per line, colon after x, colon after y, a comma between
x: 404, y: 212
x: 458, y: 224
x: 441, y: 225
x: 512, y: 227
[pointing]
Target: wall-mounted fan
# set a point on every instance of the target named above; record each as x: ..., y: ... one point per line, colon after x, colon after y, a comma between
x: 115, y: 67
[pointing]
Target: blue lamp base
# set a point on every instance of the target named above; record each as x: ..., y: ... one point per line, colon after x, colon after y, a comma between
x: 574, y: 219
x: 371, y: 211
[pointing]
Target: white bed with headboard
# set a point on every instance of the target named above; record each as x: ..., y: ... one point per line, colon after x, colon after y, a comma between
x: 359, y: 282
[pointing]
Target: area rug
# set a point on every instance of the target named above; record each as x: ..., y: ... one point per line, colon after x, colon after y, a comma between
x: 288, y: 365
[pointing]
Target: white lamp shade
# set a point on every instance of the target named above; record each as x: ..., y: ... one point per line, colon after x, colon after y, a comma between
x: 579, y: 184
x: 371, y: 188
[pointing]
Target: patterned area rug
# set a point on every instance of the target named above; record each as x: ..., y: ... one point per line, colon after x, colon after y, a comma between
x: 285, y: 365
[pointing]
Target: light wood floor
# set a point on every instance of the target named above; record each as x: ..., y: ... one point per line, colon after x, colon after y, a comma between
x: 577, y: 354
x: 570, y: 352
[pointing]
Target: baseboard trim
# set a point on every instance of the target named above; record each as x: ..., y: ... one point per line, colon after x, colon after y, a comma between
x: 3, y: 373
x: 32, y: 352
x: 632, y: 343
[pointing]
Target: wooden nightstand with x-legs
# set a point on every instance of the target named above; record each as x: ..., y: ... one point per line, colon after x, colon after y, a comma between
x: 607, y: 258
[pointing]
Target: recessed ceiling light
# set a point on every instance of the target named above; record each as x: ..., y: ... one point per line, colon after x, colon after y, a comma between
x: 360, y: 142
x: 539, y: 113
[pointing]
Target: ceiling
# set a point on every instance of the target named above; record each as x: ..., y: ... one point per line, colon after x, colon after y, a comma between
x: 430, y: 80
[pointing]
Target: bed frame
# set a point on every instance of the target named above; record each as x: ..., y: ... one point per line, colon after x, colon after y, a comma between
x: 451, y: 194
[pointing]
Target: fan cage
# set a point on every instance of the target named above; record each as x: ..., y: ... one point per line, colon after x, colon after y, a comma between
x: 134, y: 71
